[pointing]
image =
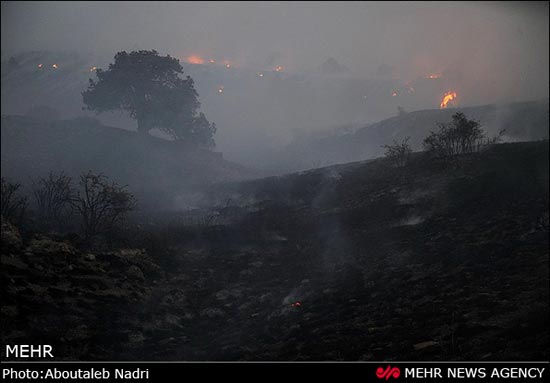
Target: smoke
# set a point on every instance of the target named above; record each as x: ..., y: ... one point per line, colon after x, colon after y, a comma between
x: 486, y: 52
x: 505, y: 44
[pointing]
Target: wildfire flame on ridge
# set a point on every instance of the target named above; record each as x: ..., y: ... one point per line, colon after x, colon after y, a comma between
x: 195, y: 59
x: 447, y: 97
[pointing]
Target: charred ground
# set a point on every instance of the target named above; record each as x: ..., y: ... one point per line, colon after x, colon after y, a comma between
x: 434, y: 260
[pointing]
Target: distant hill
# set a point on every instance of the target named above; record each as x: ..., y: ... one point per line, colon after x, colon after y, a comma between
x: 260, y: 108
x: 525, y: 121
x: 161, y: 173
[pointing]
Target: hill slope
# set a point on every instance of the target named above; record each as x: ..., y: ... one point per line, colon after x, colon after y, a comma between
x: 523, y: 121
x: 423, y: 262
x: 426, y: 262
x: 161, y: 173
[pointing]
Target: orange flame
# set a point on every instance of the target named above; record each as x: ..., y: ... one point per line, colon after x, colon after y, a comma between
x: 447, y: 97
x: 54, y: 66
x: 194, y: 59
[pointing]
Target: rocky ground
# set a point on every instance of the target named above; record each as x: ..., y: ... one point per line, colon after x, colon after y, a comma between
x: 357, y: 262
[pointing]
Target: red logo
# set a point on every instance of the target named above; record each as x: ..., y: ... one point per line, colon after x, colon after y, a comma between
x: 389, y: 372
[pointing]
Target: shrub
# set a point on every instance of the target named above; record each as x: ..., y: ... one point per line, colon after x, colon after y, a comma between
x: 52, y: 196
x: 13, y: 204
x: 460, y: 136
x: 100, y: 204
x: 398, y: 153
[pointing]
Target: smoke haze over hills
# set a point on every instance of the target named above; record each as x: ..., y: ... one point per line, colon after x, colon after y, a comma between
x: 378, y: 188
x: 486, y: 52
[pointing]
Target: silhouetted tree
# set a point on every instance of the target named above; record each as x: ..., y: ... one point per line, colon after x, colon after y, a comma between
x: 196, y: 129
x: 100, y: 204
x: 13, y: 204
x: 149, y: 88
x: 459, y: 136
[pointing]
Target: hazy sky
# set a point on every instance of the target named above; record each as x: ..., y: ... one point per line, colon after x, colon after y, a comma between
x: 489, y: 52
x: 482, y: 39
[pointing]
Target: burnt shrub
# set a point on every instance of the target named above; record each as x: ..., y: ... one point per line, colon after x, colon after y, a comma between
x: 398, y: 153
x: 460, y: 136
x: 13, y: 204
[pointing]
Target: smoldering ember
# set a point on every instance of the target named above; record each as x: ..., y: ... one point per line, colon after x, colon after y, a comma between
x: 275, y: 181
